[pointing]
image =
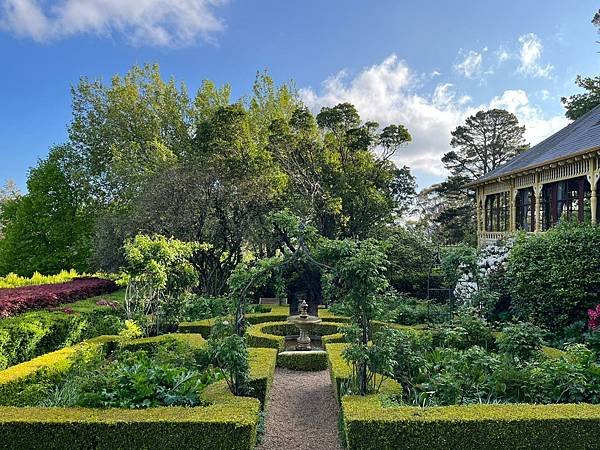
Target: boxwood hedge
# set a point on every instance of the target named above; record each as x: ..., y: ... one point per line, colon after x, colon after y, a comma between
x: 309, y: 361
x: 35, y: 333
x: 272, y: 334
x: 277, y: 314
x: 369, y: 425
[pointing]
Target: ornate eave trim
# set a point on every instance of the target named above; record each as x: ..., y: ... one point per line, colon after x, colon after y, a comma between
x: 545, y: 167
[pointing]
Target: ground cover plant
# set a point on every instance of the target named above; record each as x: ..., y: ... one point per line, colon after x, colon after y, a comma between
x: 18, y: 300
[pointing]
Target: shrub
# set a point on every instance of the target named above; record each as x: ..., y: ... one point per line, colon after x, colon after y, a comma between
x: 12, y: 280
x: 198, y: 307
x: 555, y: 276
x: 17, y: 300
x: 228, y: 351
x: 521, y: 340
x: 369, y: 425
x: 308, y: 360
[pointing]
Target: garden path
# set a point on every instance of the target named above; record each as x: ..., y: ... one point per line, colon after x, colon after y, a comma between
x: 302, y: 413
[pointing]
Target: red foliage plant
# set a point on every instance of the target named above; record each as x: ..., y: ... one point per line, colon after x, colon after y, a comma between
x: 17, y: 300
x: 594, y: 317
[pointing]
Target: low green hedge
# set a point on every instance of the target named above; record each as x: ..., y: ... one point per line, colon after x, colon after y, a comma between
x: 277, y: 314
x: 369, y: 425
x: 20, y: 384
x: 272, y: 334
x: 35, y: 333
x: 262, y: 371
x: 306, y: 360
x: 228, y: 423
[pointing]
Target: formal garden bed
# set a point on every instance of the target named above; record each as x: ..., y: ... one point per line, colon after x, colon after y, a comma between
x: 506, y: 392
x: 113, y: 392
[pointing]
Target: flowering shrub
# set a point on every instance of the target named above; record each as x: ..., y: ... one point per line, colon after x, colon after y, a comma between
x: 594, y: 317
x: 17, y: 300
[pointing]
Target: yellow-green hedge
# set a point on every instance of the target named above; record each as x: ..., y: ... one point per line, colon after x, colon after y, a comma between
x: 305, y: 360
x: 262, y: 370
x: 16, y: 381
x: 272, y: 334
x: 228, y: 424
x: 368, y: 425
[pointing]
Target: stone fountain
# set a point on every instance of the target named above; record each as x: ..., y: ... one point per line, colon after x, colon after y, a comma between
x: 304, y: 322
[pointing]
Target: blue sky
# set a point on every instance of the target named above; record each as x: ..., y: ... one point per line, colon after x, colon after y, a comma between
x: 427, y: 64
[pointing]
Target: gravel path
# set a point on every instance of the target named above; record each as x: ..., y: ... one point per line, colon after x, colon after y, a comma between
x: 302, y: 413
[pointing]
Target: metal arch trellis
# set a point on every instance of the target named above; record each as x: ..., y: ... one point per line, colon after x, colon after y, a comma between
x: 241, y: 305
x: 436, y: 263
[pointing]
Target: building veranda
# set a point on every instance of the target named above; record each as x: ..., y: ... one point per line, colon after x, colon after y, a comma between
x: 554, y: 180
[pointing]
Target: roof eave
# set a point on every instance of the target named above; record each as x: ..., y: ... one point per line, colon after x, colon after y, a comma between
x: 531, y: 167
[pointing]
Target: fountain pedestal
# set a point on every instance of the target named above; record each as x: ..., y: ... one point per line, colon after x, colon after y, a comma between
x: 304, y: 322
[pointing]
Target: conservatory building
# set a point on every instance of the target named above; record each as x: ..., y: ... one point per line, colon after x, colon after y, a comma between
x: 554, y: 180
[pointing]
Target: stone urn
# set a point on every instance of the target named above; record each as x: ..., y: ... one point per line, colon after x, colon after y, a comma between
x: 304, y: 323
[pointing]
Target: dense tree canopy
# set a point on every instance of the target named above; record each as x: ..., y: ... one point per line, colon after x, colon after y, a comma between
x: 143, y: 156
x: 45, y: 230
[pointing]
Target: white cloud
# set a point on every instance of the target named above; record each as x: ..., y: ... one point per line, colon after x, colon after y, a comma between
x: 502, y: 54
x: 537, y: 127
x: 388, y: 93
x: 470, y: 66
x: 140, y: 22
x: 530, y: 55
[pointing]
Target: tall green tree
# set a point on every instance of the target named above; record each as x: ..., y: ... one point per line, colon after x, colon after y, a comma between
x: 578, y: 104
x: 335, y: 174
x: 45, y: 230
x: 487, y: 140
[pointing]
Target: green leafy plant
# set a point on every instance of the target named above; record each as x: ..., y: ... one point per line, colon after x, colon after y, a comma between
x: 229, y: 353
x: 521, y: 340
x: 160, y: 273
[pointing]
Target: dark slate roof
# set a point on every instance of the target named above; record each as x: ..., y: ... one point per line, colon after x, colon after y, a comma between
x: 577, y: 137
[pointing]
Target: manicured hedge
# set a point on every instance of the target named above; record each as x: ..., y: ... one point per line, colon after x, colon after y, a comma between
x: 313, y: 360
x: 277, y: 314
x: 369, y: 425
x: 19, y: 384
x: 262, y: 370
x: 34, y: 333
x: 272, y: 334
x: 228, y: 423
x: 18, y: 300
